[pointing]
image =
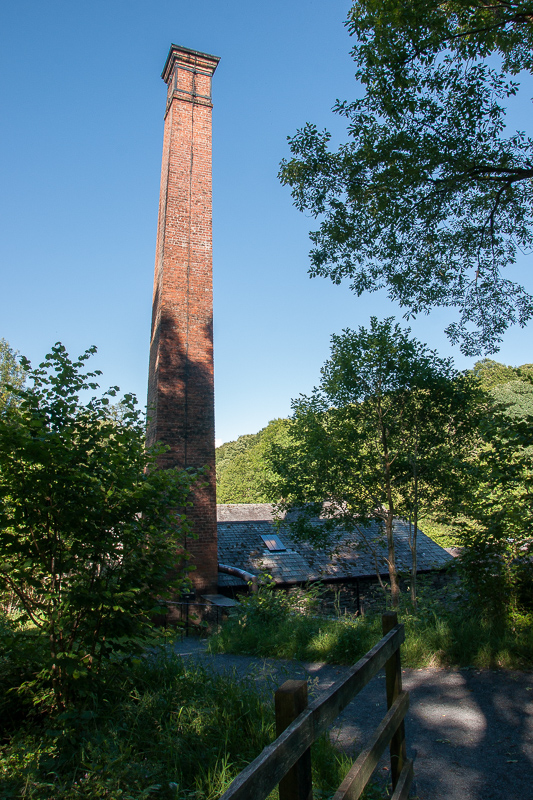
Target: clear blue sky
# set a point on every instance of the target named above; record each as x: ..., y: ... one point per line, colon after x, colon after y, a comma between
x: 80, y: 153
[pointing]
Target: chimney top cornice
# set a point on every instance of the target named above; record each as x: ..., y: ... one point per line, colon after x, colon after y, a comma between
x: 189, y: 57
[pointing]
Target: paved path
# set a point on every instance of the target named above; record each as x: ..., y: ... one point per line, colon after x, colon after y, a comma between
x: 472, y: 731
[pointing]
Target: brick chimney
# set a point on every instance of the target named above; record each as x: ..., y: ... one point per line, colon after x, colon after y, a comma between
x: 180, y: 381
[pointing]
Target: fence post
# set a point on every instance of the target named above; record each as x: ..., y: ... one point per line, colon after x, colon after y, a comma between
x: 290, y: 700
x: 393, y: 677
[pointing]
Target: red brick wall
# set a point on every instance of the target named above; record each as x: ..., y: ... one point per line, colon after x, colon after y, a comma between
x: 180, y: 383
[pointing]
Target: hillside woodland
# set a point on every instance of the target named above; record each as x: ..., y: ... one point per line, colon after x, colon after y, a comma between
x: 244, y: 472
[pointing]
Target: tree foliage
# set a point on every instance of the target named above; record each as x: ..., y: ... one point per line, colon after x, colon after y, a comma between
x: 514, y: 400
x: 495, y: 524
x: 89, y: 531
x: 382, y: 437
x: 492, y: 374
x: 11, y: 375
x: 431, y: 197
x: 498, y: 521
x: 243, y: 472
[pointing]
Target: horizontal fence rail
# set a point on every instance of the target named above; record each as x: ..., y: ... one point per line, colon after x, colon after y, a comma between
x: 258, y: 779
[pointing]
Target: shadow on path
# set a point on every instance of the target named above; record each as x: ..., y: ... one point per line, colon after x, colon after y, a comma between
x: 472, y: 730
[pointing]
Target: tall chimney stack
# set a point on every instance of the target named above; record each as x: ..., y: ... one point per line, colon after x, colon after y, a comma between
x: 180, y: 382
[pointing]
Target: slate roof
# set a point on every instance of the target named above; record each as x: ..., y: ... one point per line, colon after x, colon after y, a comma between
x: 240, y: 527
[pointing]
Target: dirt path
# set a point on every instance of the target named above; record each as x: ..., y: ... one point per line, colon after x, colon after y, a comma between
x: 472, y: 731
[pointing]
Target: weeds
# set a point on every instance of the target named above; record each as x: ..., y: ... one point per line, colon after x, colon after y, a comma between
x: 435, y: 636
x: 167, y: 729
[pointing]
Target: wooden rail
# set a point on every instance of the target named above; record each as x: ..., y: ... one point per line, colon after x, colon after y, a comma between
x: 287, y: 759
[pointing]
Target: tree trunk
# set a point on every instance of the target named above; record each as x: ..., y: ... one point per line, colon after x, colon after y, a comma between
x: 393, y: 573
x: 413, y: 537
x: 413, y: 567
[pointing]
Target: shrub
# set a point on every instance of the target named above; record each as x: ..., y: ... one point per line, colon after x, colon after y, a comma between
x: 273, y: 623
x: 166, y: 729
x: 436, y: 635
x: 88, y: 528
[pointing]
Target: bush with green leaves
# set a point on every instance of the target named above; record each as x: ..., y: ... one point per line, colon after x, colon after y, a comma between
x: 88, y: 526
x: 279, y: 624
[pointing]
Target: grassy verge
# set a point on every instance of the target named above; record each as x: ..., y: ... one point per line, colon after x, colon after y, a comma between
x: 270, y: 625
x: 160, y: 729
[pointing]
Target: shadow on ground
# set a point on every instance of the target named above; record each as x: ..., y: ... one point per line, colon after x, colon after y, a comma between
x: 472, y: 730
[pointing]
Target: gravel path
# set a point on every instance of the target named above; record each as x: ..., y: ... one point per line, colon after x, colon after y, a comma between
x: 472, y: 731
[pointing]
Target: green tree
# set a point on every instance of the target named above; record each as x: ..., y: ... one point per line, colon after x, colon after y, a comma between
x: 492, y: 374
x: 514, y: 399
x: 88, y: 526
x: 382, y: 437
x: 243, y: 471
x: 11, y: 374
x: 495, y: 524
x: 498, y: 520
x: 236, y: 481
x: 431, y: 197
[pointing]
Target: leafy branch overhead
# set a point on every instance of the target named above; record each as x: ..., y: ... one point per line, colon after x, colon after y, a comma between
x: 431, y: 196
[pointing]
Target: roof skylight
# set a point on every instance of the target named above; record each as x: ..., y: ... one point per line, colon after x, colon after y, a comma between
x: 273, y: 543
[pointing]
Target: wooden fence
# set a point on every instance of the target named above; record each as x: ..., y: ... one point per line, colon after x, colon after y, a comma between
x: 287, y: 761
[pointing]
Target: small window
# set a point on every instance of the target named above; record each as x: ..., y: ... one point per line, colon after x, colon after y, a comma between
x: 273, y: 543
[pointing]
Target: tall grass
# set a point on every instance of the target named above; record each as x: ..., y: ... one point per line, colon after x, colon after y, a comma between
x: 163, y: 731
x: 166, y: 729
x: 272, y: 625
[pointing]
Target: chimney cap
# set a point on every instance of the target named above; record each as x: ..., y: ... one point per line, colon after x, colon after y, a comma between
x: 209, y: 61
